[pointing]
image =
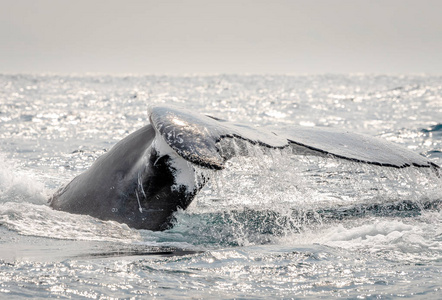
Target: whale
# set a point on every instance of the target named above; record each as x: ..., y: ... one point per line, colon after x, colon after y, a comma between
x: 159, y: 169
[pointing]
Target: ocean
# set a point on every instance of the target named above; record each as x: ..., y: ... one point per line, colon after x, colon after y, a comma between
x: 272, y: 226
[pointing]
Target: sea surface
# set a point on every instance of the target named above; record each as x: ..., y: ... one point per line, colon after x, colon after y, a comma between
x: 274, y: 226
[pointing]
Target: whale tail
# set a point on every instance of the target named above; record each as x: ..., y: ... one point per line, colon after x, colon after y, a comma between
x: 140, y: 182
x: 206, y: 141
x: 155, y: 171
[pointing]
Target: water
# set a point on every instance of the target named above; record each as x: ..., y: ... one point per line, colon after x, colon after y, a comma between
x: 273, y: 226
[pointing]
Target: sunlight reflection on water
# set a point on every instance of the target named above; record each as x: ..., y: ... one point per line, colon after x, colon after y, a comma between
x: 271, y: 226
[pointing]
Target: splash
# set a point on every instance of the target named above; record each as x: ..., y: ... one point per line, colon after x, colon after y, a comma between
x: 281, y: 196
x: 19, y: 185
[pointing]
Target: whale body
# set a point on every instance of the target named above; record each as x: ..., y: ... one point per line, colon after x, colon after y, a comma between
x: 147, y: 176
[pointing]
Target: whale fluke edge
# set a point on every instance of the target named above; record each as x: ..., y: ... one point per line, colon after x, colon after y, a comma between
x: 156, y: 170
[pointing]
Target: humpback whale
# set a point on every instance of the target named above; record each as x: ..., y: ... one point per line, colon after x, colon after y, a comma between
x: 147, y: 176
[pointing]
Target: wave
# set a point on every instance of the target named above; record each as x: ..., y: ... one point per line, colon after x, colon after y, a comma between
x: 433, y: 129
x: 251, y: 226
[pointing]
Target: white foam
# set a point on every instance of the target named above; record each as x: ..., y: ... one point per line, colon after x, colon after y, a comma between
x: 404, y: 238
x: 19, y: 186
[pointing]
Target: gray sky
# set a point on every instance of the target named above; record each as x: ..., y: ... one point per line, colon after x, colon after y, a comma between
x: 176, y: 37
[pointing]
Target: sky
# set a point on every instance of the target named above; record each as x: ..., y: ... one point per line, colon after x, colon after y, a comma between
x: 217, y: 37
